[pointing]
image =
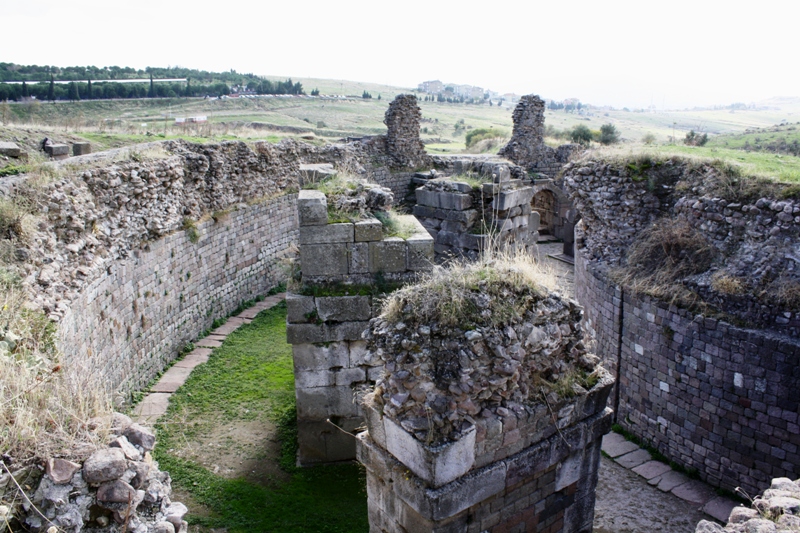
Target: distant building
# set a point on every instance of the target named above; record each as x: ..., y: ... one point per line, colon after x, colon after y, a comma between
x: 431, y: 87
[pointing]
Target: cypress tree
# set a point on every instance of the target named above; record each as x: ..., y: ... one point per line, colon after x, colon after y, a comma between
x: 89, y: 91
x: 152, y: 93
x: 51, y: 91
x: 25, y: 92
x: 72, y: 92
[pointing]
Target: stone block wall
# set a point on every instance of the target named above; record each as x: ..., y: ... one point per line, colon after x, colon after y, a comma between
x: 129, y: 323
x: 330, y: 359
x: 330, y: 368
x: 709, y: 395
x: 463, y: 221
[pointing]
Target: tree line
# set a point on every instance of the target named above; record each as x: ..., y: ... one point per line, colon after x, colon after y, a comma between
x: 102, y: 83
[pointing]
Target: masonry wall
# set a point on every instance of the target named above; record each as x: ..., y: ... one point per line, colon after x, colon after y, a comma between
x: 711, y: 396
x: 129, y: 323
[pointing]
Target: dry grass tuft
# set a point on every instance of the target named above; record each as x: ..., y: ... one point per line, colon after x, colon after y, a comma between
x: 497, y: 288
x: 724, y: 283
x: 45, y: 405
x: 662, y: 256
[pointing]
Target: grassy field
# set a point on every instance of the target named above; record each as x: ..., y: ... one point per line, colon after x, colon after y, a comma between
x: 112, y: 123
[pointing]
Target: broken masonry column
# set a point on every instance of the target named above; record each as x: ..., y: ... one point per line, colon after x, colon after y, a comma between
x: 402, y: 138
x: 490, y: 412
x: 526, y: 147
x: 331, y: 308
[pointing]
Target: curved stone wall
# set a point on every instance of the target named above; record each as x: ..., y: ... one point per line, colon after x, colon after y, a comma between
x: 711, y: 396
x: 130, y: 322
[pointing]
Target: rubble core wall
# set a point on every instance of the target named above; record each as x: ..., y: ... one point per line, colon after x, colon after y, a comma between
x: 713, y: 397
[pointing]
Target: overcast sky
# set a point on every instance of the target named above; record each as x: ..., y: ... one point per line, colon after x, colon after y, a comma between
x: 670, y: 54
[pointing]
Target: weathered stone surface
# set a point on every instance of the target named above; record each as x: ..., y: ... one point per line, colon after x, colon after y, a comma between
x: 10, y: 149
x: 368, y: 230
x: 61, y: 470
x: 81, y: 148
x: 420, y: 252
x: 652, y: 469
x: 57, y: 150
x: 388, y: 255
x: 300, y: 309
x: 175, y: 513
x: 130, y: 451
x: 324, y: 259
x: 311, y: 357
x: 615, y: 445
x: 104, y: 465
x: 312, y: 208
x: 327, y: 234
x: 344, y: 308
x: 140, y: 436
x: 116, y: 492
x: 634, y: 458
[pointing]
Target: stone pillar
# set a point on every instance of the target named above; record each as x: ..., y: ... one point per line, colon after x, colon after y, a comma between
x: 326, y: 318
x: 402, y: 138
x: 464, y: 435
x: 527, y: 139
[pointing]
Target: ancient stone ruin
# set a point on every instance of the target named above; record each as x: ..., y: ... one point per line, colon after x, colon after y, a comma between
x: 402, y: 137
x: 706, y: 368
x: 484, y: 422
x: 343, y: 266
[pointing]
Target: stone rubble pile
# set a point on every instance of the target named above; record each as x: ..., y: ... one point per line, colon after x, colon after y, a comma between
x: 116, y: 489
x: 402, y: 138
x: 438, y: 380
x: 775, y: 511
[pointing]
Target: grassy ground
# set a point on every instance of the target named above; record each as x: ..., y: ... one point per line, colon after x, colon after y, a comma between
x: 239, y: 482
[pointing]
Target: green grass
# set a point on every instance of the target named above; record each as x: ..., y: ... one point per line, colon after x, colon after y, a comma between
x: 250, y: 377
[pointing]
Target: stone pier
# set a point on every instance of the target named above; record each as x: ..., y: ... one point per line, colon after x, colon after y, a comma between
x: 344, y: 267
x: 495, y: 428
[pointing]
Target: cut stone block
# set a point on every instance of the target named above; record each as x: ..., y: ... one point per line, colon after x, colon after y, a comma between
x: 312, y: 208
x: 324, y: 442
x: 427, y: 198
x: 319, y: 403
x: 368, y: 230
x: 388, y: 255
x: 634, y: 458
x: 670, y: 480
x: 324, y: 259
x: 81, y: 148
x: 345, y: 331
x: 695, y: 492
x: 208, y: 342
x: 359, y: 257
x: 230, y: 325
x: 615, y: 445
x: 420, y: 252
x: 56, y: 150
x: 508, y: 199
x: 299, y: 309
x: 652, y: 469
x: 305, y: 333
x: 344, y: 308
x: 313, y: 357
x: 151, y: 407
x: 327, y: 234
x: 196, y: 357
x: 172, y: 379
x: 719, y: 508
x: 437, y: 465
x: 10, y: 149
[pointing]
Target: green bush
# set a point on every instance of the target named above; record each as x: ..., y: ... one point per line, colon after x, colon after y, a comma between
x: 695, y: 139
x: 608, y: 134
x: 479, y: 134
x: 581, y: 134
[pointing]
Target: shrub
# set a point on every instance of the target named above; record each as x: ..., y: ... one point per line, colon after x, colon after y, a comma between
x: 649, y: 139
x: 479, y: 134
x: 581, y: 134
x: 608, y: 134
x: 695, y: 139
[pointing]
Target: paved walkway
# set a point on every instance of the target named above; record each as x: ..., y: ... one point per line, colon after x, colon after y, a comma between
x: 156, y: 402
x: 660, y: 476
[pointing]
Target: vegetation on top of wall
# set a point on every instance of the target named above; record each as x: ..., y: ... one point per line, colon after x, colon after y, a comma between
x: 497, y: 288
